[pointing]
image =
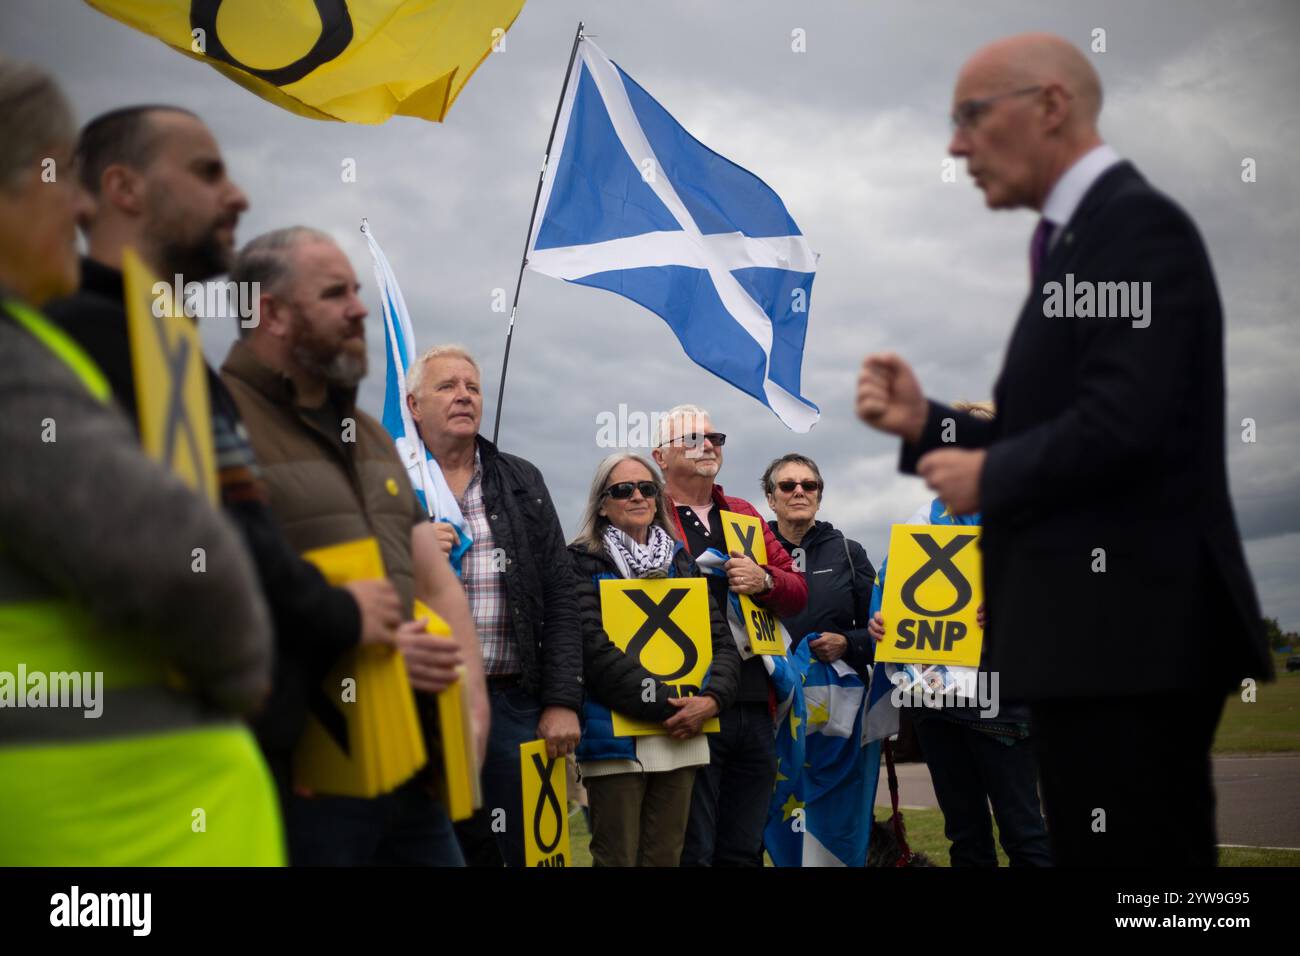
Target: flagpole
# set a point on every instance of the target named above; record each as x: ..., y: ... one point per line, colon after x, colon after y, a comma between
x: 523, y: 263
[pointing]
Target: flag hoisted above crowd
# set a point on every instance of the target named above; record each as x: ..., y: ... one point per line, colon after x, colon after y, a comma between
x: 634, y: 204
x: 359, y: 61
x: 399, y: 351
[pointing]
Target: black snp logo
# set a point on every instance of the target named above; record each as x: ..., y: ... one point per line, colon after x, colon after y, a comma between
x: 925, y: 630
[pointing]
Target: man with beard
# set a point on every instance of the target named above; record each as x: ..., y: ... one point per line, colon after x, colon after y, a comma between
x: 334, y: 476
x: 158, y: 185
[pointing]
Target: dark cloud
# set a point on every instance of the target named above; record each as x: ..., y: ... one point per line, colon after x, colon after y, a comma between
x: 851, y: 134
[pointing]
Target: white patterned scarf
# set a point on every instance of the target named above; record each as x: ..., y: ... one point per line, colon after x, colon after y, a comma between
x: 649, y: 560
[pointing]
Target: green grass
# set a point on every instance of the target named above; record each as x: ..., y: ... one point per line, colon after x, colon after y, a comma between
x: 1257, y: 856
x: 1269, y: 724
x: 579, y: 837
x: 925, y: 835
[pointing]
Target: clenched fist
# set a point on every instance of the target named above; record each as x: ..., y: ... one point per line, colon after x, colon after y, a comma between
x: 890, y: 398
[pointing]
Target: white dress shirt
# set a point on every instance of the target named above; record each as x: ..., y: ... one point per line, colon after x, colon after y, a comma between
x: 1070, y: 189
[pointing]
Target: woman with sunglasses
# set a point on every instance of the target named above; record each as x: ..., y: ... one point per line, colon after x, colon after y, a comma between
x: 638, y: 788
x: 837, y: 570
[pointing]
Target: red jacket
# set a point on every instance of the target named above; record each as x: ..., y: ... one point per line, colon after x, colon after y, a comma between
x: 789, y: 589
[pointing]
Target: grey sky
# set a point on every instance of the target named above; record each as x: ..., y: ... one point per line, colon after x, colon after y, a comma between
x: 851, y: 134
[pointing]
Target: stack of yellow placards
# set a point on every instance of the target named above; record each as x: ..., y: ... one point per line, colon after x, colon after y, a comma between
x: 462, y: 792
x: 363, y: 734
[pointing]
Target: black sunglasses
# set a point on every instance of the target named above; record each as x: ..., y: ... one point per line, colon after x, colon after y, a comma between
x: 695, y: 440
x: 623, y: 490
x: 807, y: 485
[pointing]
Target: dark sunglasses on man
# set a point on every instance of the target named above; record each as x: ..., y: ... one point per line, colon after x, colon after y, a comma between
x: 694, y: 440
x: 808, y: 485
x: 623, y: 490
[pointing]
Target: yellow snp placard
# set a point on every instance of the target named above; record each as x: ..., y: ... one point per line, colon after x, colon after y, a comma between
x: 744, y: 533
x: 171, y: 381
x: 546, y: 807
x: 461, y: 789
x: 933, y: 588
x: 362, y: 736
x: 662, y: 623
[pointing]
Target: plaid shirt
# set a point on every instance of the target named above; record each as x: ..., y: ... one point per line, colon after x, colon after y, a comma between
x: 483, y: 575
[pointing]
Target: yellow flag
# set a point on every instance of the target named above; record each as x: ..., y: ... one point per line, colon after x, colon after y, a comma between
x: 744, y: 533
x: 546, y: 807
x: 359, y: 61
x: 462, y: 792
x: 932, y: 593
x: 362, y: 736
x: 171, y: 381
x: 662, y: 624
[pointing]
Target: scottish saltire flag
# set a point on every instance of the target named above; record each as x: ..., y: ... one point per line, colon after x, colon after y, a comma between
x: 634, y: 204
x: 399, y: 351
x: 831, y: 780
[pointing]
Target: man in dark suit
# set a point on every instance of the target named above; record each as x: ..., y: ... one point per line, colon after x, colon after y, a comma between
x: 1118, y: 600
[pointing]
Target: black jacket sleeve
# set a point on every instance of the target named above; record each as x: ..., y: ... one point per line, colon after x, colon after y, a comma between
x: 861, y: 650
x: 562, y: 641
x: 724, y: 672
x: 610, y: 676
x: 947, y: 428
x: 314, y: 621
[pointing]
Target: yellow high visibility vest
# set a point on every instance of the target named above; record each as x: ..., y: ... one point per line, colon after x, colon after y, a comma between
x: 152, y: 780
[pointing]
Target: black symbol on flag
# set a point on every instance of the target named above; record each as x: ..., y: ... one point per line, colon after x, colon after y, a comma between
x: 940, y: 563
x: 746, y: 536
x: 335, y: 35
x: 178, y: 420
x: 547, y: 795
x: 658, y: 621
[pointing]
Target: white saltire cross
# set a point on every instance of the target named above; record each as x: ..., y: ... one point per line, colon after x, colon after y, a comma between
x: 719, y: 253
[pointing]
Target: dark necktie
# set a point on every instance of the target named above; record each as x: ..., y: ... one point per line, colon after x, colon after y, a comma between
x: 1038, y: 247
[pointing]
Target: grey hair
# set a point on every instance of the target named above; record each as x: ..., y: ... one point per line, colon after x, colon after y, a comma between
x: 593, y: 525
x: 34, y: 116
x: 768, y: 481
x: 674, y: 416
x: 415, y: 374
x: 265, y: 260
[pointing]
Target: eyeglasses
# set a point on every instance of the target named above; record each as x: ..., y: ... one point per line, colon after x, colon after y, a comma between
x: 695, y: 440
x: 623, y: 490
x: 808, y: 485
x: 968, y: 111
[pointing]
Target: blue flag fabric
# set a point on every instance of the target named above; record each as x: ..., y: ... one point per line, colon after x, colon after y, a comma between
x: 399, y: 351
x: 826, y: 772
x: 632, y: 203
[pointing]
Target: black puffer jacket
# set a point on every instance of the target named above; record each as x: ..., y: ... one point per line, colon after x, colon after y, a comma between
x: 539, y: 577
x: 617, y: 681
x: 839, y: 576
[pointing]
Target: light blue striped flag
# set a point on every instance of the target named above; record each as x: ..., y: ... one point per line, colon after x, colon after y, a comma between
x: 399, y: 351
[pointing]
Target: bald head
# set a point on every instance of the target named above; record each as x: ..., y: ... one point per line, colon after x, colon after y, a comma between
x: 1025, y: 109
x: 1041, y: 59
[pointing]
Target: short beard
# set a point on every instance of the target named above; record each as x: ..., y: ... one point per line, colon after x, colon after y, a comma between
x: 341, y: 368
x: 195, y: 261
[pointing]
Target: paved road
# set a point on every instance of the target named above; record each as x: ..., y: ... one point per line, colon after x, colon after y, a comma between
x: 1258, y: 797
